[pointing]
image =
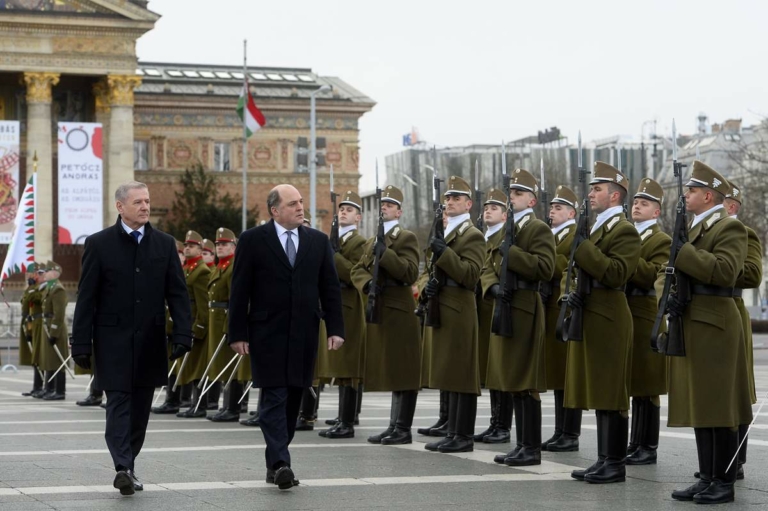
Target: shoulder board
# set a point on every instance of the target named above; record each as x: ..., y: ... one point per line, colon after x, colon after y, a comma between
x: 464, y: 226
x: 523, y: 221
x: 562, y: 234
x: 347, y: 236
x: 714, y: 217
x: 395, y: 232
x: 612, y: 223
x: 646, y: 234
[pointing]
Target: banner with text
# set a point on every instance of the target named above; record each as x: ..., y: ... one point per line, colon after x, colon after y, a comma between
x: 80, y: 181
x: 9, y: 177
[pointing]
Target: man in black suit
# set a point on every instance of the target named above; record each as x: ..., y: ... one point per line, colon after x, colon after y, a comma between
x: 282, y: 271
x: 129, y: 272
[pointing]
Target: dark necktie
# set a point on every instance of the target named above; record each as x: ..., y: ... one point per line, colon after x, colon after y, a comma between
x: 136, y: 235
x: 290, y: 248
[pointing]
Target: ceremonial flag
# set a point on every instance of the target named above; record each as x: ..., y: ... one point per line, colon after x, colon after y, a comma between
x: 21, y: 251
x: 249, y: 113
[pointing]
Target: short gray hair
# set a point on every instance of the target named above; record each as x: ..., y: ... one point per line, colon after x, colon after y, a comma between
x: 273, y: 200
x: 121, y: 194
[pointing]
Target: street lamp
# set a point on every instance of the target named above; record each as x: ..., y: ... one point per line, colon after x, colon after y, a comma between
x: 313, y: 154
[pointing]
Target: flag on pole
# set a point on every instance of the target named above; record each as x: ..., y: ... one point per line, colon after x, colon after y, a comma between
x: 21, y: 250
x: 249, y: 113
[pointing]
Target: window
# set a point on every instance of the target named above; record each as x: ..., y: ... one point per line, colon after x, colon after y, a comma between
x: 140, y: 155
x: 221, y: 157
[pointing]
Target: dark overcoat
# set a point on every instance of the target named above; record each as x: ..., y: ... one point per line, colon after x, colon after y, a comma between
x: 120, y: 309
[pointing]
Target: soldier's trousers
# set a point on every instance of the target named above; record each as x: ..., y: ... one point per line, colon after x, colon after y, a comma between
x: 127, y: 418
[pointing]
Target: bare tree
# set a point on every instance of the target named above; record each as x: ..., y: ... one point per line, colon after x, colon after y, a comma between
x: 750, y: 159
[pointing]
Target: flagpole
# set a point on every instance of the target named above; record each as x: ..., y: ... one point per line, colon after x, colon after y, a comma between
x: 245, y: 134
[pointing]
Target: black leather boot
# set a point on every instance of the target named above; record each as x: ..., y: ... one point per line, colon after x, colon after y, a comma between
x: 634, y: 433
x: 569, y: 440
x: 440, y: 427
x: 530, y: 454
x: 214, y: 393
x: 186, y: 395
x: 705, y: 443
x: 48, y: 386
x: 517, y: 405
x: 559, y: 398
x: 231, y: 411
x: 501, y: 433
x: 345, y: 428
x: 601, y: 421
x: 172, y: 398
x: 376, y: 439
x: 494, y: 417
x: 465, y: 424
x: 645, y: 454
x: 59, y: 388
x: 450, y: 425
x: 721, y: 490
x: 308, y: 411
x: 332, y: 422
x: 194, y: 411
x: 613, y: 470
x: 37, y: 384
x: 743, y: 450
x: 404, y: 421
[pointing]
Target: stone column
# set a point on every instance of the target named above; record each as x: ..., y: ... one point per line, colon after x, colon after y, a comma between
x: 101, y: 101
x: 120, y: 153
x: 40, y: 141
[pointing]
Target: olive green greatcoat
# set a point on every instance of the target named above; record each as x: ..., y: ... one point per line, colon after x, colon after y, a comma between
x: 648, y: 373
x: 36, y: 323
x: 517, y: 363
x: 55, y: 325
x: 597, y: 368
x: 349, y: 361
x: 555, y: 352
x: 485, y: 308
x: 452, y: 349
x: 392, y: 348
x: 218, y: 291
x: 750, y: 277
x: 197, y: 275
x: 709, y: 386
x: 25, y: 353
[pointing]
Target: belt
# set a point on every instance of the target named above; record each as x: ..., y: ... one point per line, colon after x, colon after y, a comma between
x: 218, y: 305
x: 394, y: 283
x: 596, y: 284
x: 737, y: 292
x: 636, y: 291
x: 707, y: 290
x: 449, y: 282
x: 528, y: 285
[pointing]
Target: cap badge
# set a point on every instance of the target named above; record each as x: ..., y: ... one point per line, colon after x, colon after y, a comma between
x: 619, y: 178
x: 716, y: 182
x: 735, y: 191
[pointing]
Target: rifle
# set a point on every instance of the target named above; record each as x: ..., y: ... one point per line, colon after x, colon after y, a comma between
x: 479, y: 223
x: 625, y: 206
x: 502, y: 309
x: 544, y: 194
x: 672, y: 343
x: 571, y: 328
x: 372, y: 310
x: 429, y: 308
x: 335, y: 223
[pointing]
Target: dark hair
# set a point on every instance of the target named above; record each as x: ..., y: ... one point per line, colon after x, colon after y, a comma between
x: 273, y: 200
x: 717, y: 197
x: 613, y: 187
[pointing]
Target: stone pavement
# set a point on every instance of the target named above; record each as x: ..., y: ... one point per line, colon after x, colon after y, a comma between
x: 53, y: 456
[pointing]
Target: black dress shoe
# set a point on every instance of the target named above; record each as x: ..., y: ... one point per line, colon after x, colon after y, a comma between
x: 192, y: 414
x: 332, y: 422
x: 284, y: 478
x: 479, y: 436
x: 399, y: 437
x: 688, y: 493
x: 341, y: 431
x: 581, y: 474
x: 376, y: 439
x: 124, y: 483
x: 91, y: 400
x: 525, y: 457
x: 436, y: 426
x: 54, y: 396
x: 611, y: 471
x: 271, y: 478
x: 38, y: 394
x: 212, y: 406
x: 303, y: 424
x: 565, y: 443
x: 434, y: 446
x: 441, y: 431
x: 497, y: 436
x: 166, y: 408
x: 137, y: 485
x: 718, y: 492
x: 499, y: 458
x: 642, y: 456
x: 253, y: 421
x: 459, y: 443
x: 325, y: 432
x: 31, y: 393
x: 225, y: 416
x: 550, y: 440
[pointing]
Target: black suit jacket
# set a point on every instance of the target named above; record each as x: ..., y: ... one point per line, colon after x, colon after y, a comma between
x: 276, y: 307
x: 120, y: 309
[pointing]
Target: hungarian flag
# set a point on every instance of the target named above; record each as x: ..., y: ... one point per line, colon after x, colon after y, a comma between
x: 249, y: 113
x: 21, y: 251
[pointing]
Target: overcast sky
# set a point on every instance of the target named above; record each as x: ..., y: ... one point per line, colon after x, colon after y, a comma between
x: 483, y: 71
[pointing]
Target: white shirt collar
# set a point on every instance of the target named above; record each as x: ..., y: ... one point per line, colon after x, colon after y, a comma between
x: 454, y: 222
x: 129, y: 230
x: 698, y: 218
x: 521, y: 214
x: 344, y: 230
x: 644, y: 225
x: 605, y: 215
x: 562, y: 226
x: 735, y: 216
x: 389, y: 225
x: 282, y: 230
x: 493, y: 229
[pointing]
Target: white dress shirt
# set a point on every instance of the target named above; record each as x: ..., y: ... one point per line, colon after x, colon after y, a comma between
x: 605, y: 215
x: 389, y: 225
x: 698, y: 218
x: 644, y: 225
x: 454, y: 222
x: 129, y: 230
x: 344, y: 230
x: 284, y: 237
x: 493, y: 229
x: 562, y: 226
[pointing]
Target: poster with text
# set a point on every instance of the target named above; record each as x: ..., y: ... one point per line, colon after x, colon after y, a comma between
x: 9, y: 177
x: 80, y: 181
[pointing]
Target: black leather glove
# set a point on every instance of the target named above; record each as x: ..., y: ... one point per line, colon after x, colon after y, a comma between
x: 29, y: 338
x: 380, y: 247
x: 179, y: 350
x: 53, y: 340
x: 493, y: 292
x: 438, y: 246
x: 367, y: 287
x: 675, y: 308
x: 680, y: 243
x: 82, y: 361
x: 431, y: 289
x: 575, y: 300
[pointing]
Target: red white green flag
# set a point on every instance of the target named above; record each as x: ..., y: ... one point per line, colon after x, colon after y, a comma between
x: 21, y: 251
x: 249, y: 113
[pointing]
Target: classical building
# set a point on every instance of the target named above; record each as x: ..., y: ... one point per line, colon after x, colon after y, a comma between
x: 75, y: 60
